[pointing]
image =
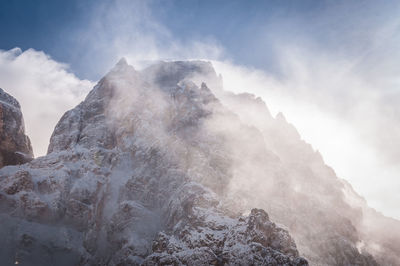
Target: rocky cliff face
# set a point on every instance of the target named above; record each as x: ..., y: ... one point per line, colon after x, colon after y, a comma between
x: 136, y: 175
x: 156, y: 167
x: 15, y: 146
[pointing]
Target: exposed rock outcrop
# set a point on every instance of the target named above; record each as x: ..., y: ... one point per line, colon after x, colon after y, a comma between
x: 136, y: 174
x: 158, y: 167
x: 15, y: 146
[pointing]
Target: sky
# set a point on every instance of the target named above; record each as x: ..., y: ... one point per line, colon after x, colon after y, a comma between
x: 330, y: 66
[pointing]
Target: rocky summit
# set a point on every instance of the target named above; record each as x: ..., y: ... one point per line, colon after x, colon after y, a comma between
x: 162, y: 166
x: 15, y: 146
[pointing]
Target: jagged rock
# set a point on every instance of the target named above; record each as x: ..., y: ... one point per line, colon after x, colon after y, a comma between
x: 206, y: 239
x: 15, y: 146
x: 155, y: 167
x: 136, y: 161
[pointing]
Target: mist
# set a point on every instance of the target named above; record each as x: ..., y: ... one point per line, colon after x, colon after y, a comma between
x: 336, y: 84
x: 256, y: 161
x: 45, y: 89
x: 342, y: 100
x: 333, y: 75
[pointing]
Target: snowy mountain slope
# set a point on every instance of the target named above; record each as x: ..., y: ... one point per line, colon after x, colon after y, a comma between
x: 163, y: 166
x: 330, y: 222
x: 282, y: 174
x: 137, y: 174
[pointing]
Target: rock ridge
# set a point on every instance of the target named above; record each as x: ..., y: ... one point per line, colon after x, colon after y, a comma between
x: 15, y: 146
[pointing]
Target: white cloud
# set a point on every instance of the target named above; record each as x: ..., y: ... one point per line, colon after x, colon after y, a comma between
x: 44, y: 88
x: 342, y: 97
x: 336, y: 110
x: 128, y: 28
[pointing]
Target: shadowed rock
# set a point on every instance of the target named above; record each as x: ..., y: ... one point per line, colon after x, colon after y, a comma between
x: 155, y: 167
x: 134, y: 168
x: 15, y: 146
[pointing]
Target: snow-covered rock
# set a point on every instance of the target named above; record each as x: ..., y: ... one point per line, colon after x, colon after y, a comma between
x: 137, y: 174
x: 162, y: 166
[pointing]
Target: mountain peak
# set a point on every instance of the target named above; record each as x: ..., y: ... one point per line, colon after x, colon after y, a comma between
x: 280, y: 117
x: 15, y: 146
x: 152, y: 169
x: 122, y: 65
x: 122, y: 62
x: 8, y: 99
x: 168, y: 74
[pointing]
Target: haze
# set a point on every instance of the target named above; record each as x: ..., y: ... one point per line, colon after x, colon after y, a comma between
x: 331, y: 67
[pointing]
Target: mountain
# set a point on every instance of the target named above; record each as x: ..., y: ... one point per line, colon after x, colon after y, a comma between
x: 132, y: 176
x: 15, y: 146
x: 162, y: 166
x: 330, y: 222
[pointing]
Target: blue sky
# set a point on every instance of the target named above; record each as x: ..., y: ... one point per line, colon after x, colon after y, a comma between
x: 332, y: 67
x: 248, y: 30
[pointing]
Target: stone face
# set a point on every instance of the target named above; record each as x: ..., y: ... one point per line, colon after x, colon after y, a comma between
x: 133, y: 171
x: 204, y: 240
x: 156, y: 167
x: 15, y: 146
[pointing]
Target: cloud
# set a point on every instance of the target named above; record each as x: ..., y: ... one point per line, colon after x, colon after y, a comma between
x: 335, y: 107
x: 47, y: 88
x: 125, y: 28
x: 44, y: 88
x: 335, y: 78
